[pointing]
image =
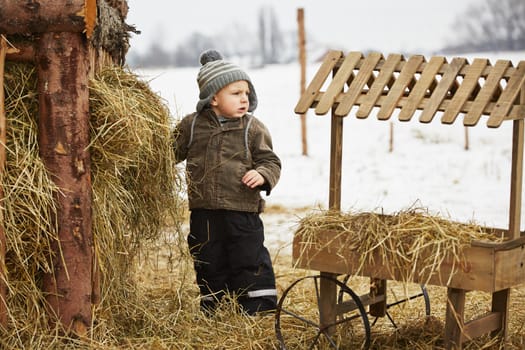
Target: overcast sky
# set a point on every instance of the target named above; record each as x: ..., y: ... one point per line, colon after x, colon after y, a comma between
x: 382, y: 25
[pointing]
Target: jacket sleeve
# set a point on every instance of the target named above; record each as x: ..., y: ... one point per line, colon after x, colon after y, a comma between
x: 266, y: 162
x: 181, y: 137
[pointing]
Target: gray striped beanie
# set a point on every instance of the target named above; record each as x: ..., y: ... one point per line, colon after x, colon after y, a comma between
x: 215, y: 73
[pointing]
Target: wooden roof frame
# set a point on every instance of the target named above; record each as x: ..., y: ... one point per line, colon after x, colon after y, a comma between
x: 416, y: 84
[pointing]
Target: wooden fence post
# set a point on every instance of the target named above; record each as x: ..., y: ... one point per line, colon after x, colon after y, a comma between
x: 302, y: 63
x: 62, y: 68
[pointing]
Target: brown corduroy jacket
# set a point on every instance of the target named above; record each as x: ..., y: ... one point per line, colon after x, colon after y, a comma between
x: 217, y: 157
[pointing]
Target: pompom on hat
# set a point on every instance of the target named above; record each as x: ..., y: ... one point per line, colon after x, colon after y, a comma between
x: 215, y: 73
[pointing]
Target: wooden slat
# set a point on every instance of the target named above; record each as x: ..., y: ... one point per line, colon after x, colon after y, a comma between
x: 329, y: 62
x: 423, y: 85
x: 356, y: 87
x: 338, y: 82
x: 507, y: 98
x: 404, y: 78
x: 516, y: 113
x: 383, y: 79
x: 439, y: 94
x: 366, y: 299
x: 482, y: 325
x: 488, y: 89
x: 469, y: 83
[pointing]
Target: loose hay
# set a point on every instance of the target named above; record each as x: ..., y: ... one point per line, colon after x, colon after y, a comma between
x: 136, y: 192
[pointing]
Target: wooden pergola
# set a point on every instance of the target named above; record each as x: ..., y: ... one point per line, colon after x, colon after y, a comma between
x: 67, y: 40
x: 458, y: 91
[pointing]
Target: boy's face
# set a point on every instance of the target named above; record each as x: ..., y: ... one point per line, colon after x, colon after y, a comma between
x: 232, y: 100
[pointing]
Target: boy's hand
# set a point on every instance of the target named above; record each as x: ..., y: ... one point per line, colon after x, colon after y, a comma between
x: 252, y: 179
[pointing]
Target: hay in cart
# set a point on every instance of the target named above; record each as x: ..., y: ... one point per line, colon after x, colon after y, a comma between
x: 409, y: 246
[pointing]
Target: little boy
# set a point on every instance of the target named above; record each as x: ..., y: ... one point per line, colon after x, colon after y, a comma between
x: 229, y: 160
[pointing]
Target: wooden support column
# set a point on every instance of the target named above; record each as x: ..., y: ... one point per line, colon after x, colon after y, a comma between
x: 328, y: 290
x: 3, y: 241
x: 516, y: 177
x: 454, y: 318
x: 62, y: 68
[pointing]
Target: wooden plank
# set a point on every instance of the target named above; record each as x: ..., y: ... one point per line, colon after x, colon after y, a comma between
x: 482, y: 325
x: 338, y: 82
x: 398, y: 89
x: 366, y: 299
x: 507, y: 98
x: 356, y: 87
x: 509, y: 267
x: 440, y: 93
x: 469, y: 83
x: 516, y: 113
x: 422, y: 86
x: 488, y: 89
x: 500, y: 304
x: 306, y: 100
x: 384, y: 77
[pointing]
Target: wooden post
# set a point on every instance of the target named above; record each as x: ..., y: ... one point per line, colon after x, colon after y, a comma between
x: 3, y: 241
x: 328, y: 290
x: 302, y: 63
x: 454, y: 318
x: 516, y: 177
x: 62, y: 68
x: 501, y: 299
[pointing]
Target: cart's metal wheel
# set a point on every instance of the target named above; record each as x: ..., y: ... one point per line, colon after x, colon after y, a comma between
x: 297, y: 321
x: 397, y: 302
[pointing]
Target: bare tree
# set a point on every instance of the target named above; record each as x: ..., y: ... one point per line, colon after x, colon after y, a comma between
x: 491, y: 25
x: 270, y: 36
x: 187, y: 53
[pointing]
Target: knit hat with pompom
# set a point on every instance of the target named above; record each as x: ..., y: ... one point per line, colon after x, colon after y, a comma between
x: 215, y: 73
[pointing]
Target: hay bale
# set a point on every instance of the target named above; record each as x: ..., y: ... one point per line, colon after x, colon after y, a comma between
x: 136, y: 193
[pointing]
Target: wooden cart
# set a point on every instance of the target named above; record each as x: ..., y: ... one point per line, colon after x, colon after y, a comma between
x: 456, y: 88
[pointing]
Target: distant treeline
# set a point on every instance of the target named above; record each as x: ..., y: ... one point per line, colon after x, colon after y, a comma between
x: 486, y: 25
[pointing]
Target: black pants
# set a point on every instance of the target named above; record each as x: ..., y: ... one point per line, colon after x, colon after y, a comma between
x: 230, y: 257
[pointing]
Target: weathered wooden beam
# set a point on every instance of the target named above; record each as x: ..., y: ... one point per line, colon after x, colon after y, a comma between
x: 24, y: 52
x: 62, y: 68
x: 30, y: 17
x: 3, y: 241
